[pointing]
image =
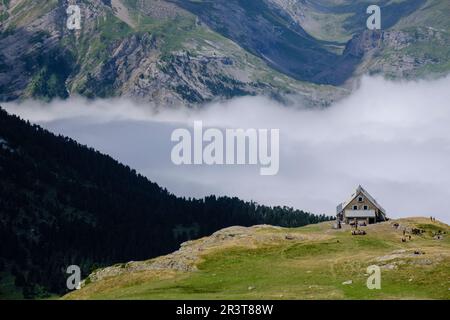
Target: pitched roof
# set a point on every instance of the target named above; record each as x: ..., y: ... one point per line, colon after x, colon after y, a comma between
x: 363, y: 191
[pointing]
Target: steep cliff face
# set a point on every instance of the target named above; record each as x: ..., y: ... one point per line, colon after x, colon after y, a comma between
x: 406, y: 54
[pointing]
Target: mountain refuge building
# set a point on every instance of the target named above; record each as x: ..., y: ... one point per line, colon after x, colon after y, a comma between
x: 362, y: 207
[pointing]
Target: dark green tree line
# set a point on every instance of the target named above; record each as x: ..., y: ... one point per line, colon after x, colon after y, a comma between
x: 63, y: 203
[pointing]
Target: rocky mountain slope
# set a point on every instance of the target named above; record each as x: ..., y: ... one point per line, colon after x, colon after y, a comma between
x: 413, y: 42
x: 171, y: 52
x: 152, y: 51
x: 312, y: 262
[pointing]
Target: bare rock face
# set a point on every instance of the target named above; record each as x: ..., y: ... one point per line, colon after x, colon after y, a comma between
x: 396, y: 53
x: 369, y: 41
x: 410, y: 256
x: 364, y: 42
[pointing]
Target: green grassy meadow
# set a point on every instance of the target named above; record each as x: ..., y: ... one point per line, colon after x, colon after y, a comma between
x: 312, y: 264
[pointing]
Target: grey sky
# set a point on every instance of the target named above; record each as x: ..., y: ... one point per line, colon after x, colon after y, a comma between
x: 392, y: 138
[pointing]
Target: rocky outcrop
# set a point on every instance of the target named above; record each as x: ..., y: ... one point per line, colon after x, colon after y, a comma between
x: 191, y: 252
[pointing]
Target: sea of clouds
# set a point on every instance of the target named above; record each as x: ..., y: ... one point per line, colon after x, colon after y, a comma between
x: 391, y: 137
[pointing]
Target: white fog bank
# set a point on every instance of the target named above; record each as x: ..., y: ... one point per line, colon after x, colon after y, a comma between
x: 392, y: 138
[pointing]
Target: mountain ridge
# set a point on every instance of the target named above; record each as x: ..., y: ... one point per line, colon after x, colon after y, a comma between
x: 191, y: 52
x: 165, y: 60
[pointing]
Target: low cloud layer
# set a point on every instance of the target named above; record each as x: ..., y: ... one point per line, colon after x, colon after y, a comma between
x: 393, y: 138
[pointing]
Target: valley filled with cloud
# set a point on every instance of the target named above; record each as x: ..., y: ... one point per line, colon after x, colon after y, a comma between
x: 391, y: 137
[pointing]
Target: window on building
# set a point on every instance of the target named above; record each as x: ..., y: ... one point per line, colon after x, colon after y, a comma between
x: 366, y: 208
x: 360, y: 199
x: 355, y: 207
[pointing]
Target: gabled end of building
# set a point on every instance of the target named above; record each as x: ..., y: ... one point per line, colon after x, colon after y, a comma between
x: 361, y: 207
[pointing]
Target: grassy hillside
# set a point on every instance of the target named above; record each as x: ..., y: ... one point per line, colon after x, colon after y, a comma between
x: 311, y: 262
x: 62, y: 203
x: 339, y: 20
